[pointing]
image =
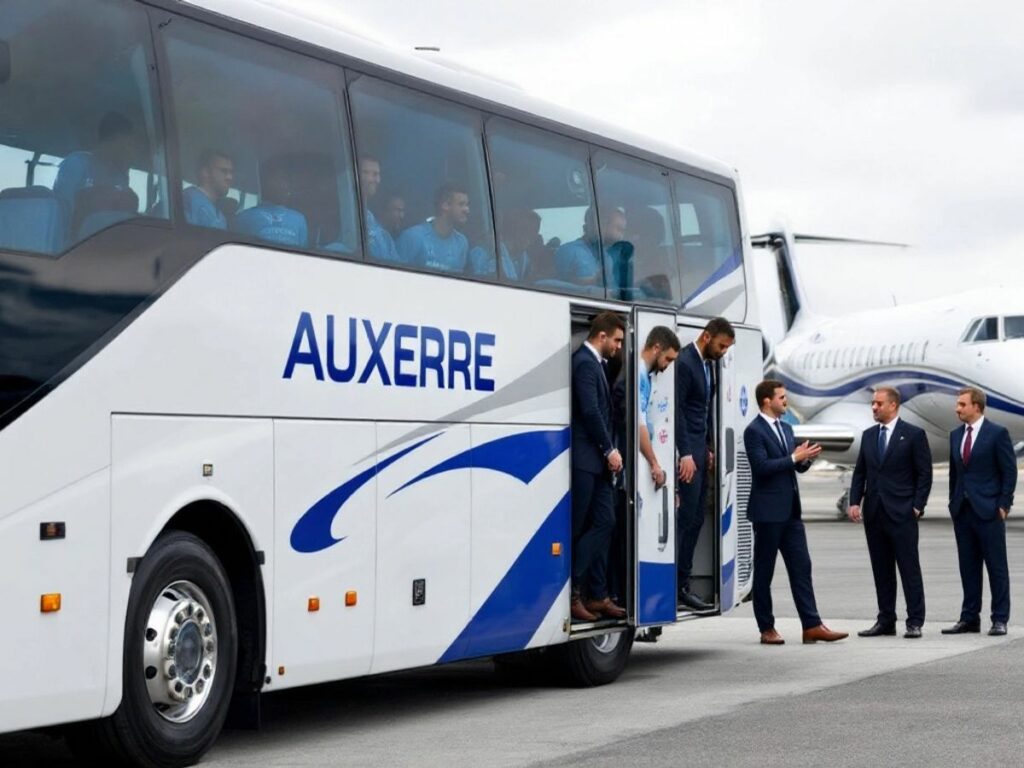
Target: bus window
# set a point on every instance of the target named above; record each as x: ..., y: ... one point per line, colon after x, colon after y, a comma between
x: 710, y: 249
x: 642, y: 263
x: 80, y: 146
x: 429, y: 152
x: 295, y: 165
x: 549, y: 177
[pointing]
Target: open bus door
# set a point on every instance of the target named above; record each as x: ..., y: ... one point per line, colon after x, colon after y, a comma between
x: 654, y: 521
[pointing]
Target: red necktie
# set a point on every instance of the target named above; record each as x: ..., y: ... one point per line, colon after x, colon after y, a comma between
x: 967, y: 445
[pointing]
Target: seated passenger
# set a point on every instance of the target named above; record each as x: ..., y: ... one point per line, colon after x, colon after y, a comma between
x: 579, y: 261
x: 104, y: 168
x: 215, y: 172
x: 517, y: 234
x: 379, y: 242
x: 393, y: 217
x: 272, y: 220
x: 437, y: 244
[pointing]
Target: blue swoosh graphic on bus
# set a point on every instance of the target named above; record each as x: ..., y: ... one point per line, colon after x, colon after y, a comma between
x: 512, y: 613
x: 727, y: 520
x: 727, y: 267
x: 522, y: 456
x: 312, y: 533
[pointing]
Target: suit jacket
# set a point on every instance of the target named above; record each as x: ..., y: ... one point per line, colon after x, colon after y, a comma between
x: 693, y: 405
x: 774, y: 494
x: 989, y: 478
x: 898, y: 482
x: 591, y: 413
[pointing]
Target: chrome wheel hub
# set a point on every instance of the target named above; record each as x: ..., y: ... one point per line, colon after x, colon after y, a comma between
x: 179, y: 656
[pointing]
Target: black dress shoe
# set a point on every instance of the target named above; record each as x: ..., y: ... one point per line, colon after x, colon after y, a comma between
x: 912, y: 631
x: 691, y: 601
x: 961, y: 627
x: 878, y: 630
x: 998, y: 628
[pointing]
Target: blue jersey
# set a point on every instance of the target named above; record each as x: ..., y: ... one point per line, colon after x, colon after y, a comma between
x: 274, y: 223
x: 81, y: 170
x: 379, y: 241
x: 513, y: 268
x: 422, y: 246
x: 644, y: 388
x: 201, y: 211
x: 577, y: 262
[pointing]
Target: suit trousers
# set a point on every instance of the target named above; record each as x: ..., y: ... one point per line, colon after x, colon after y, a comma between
x: 689, y: 521
x: 979, y: 541
x: 893, y: 544
x: 790, y: 539
x: 593, y: 523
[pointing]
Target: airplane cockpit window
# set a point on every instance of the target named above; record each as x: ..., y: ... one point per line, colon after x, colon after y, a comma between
x: 983, y: 329
x: 1013, y: 327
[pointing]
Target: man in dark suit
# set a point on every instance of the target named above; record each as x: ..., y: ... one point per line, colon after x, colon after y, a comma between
x: 774, y: 509
x: 695, y: 440
x: 594, y: 461
x: 982, y: 478
x: 893, y: 477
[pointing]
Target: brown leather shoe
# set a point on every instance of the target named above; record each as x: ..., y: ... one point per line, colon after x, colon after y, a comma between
x: 606, y: 608
x: 771, y: 637
x: 579, y: 612
x: 824, y: 634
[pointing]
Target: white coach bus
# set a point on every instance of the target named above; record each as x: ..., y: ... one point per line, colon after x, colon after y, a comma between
x: 285, y: 333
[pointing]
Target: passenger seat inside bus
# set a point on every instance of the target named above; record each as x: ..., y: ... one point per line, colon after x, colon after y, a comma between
x: 31, y: 219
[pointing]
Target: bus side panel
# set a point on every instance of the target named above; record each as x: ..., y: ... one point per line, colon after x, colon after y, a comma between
x: 53, y: 665
x: 423, y: 543
x: 157, y: 470
x: 326, y: 541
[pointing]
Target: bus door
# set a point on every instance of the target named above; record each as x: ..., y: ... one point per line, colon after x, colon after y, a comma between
x: 654, y: 521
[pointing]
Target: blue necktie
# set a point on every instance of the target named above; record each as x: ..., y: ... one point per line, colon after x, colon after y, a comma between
x: 782, y: 437
x: 707, y: 379
x: 881, y: 442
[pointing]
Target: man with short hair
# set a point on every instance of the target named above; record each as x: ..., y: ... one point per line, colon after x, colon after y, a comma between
x: 982, y: 479
x: 586, y: 260
x: 893, y: 477
x: 393, y: 214
x: 660, y: 350
x: 379, y: 242
x: 594, y: 461
x: 774, y: 509
x: 215, y: 172
x: 695, y: 440
x: 438, y: 244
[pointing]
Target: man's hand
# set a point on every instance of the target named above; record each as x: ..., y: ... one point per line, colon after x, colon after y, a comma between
x: 806, y: 452
x: 658, y: 476
x: 1003, y: 513
x: 615, y: 461
x: 711, y: 460
x: 687, y: 469
x: 917, y: 512
x: 854, y: 513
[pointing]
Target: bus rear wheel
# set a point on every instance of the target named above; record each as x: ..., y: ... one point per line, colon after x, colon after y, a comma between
x: 596, y: 660
x: 180, y: 653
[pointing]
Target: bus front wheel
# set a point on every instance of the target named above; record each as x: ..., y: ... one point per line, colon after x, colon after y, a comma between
x: 180, y: 653
x: 596, y: 660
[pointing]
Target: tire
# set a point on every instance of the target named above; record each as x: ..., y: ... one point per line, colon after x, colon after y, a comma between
x: 175, y: 690
x: 597, y: 660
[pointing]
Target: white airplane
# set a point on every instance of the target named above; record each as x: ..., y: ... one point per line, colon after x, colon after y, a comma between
x: 927, y: 350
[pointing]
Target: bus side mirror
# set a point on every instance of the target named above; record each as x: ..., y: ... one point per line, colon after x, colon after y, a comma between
x: 5, y: 61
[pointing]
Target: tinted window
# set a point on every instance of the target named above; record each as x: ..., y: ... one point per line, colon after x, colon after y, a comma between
x: 542, y: 194
x: 80, y: 145
x: 1013, y: 327
x: 264, y: 149
x: 986, y: 330
x: 429, y: 153
x: 711, y: 253
x: 635, y: 209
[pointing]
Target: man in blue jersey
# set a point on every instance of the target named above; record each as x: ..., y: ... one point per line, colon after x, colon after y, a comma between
x: 215, y: 172
x: 660, y: 350
x: 583, y: 261
x: 104, y: 169
x: 379, y: 242
x: 518, y: 231
x: 437, y: 244
x: 274, y: 220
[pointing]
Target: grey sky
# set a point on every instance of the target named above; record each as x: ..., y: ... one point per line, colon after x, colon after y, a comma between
x: 893, y: 121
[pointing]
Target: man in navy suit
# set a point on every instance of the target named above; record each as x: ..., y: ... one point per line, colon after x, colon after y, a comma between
x: 594, y: 461
x: 695, y: 440
x: 774, y: 509
x: 982, y: 478
x: 893, y: 477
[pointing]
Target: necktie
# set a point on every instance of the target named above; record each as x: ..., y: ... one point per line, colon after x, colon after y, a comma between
x: 967, y: 445
x: 782, y: 437
x: 707, y: 379
x: 881, y: 441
